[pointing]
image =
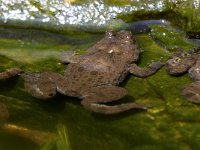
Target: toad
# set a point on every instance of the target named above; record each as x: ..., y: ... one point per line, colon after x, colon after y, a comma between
x: 182, y: 62
x: 93, y: 77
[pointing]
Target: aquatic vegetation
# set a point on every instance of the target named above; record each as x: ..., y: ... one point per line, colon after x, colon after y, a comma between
x: 62, y: 141
x: 170, y: 38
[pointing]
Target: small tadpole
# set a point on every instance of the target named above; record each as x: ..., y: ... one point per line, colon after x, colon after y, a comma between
x: 143, y: 26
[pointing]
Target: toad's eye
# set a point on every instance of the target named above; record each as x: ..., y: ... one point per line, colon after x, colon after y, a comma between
x: 176, y: 60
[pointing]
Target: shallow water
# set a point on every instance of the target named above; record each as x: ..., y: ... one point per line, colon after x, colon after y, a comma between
x: 171, y: 119
x: 171, y: 123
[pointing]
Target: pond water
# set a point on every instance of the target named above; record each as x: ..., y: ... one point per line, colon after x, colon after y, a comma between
x: 62, y: 123
x: 170, y: 120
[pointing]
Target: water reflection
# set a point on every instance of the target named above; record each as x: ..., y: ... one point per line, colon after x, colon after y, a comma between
x: 63, y: 12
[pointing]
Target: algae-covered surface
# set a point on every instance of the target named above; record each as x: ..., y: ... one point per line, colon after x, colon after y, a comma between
x: 172, y: 122
x: 62, y: 123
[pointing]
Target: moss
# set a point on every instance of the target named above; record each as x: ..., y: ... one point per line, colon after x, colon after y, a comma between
x: 8, y: 63
x: 187, y: 16
x: 170, y: 38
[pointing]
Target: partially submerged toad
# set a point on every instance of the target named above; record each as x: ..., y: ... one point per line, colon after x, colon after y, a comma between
x: 182, y: 62
x: 94, y: 76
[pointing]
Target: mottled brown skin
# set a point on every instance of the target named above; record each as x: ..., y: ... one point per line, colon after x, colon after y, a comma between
x: 183, y: 62
x: 94, y: 76
x: 10, y: 73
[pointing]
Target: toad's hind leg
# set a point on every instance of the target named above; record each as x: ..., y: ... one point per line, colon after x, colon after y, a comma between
x: 96, y: 98
x: 39, y: 85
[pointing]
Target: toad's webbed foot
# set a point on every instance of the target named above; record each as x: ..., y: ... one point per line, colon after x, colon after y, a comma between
x: 39, y: 85
x: 10, y: 73
x: 146, y: 71
x: 192, y: 92
x: 95, y: 99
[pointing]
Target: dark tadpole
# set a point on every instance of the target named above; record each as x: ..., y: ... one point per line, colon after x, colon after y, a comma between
x: 143, y: 26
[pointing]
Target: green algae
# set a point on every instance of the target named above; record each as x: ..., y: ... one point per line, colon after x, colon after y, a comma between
x: 7, y: 63
x: 183, y: 14
x: 170, y: 38
x: 171, y: 119
x: 187, y: 17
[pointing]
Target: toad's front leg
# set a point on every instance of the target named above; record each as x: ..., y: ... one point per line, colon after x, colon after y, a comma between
x: 10, y: 73
x: 69, y: 57
x: 146, y: 71
x: 95, y: 100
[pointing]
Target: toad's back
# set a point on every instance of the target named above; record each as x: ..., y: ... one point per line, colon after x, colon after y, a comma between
x: 94, y: 73
x: 106, y: 63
